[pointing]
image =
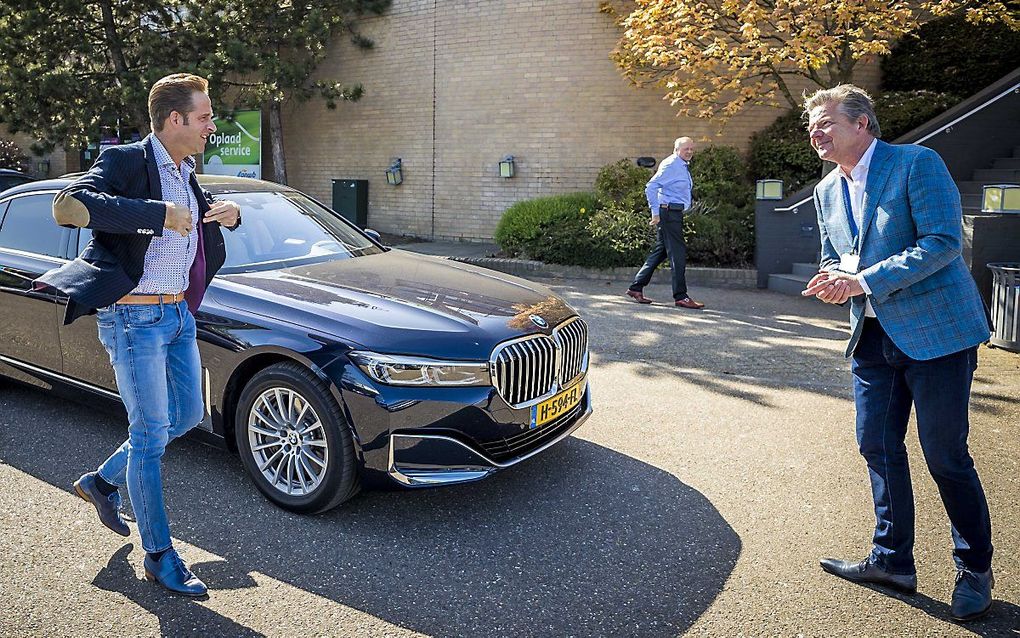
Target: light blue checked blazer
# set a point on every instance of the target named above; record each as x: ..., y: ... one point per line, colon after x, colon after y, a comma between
x: 911, y: 240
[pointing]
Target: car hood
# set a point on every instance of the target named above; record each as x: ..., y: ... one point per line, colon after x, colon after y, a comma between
x: 398, y: 302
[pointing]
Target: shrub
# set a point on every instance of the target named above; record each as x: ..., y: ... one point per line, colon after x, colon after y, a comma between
x: 11, y: 156
x: 951, y: 55
x: 782, y: 151
x: 526, y: 227
x: 622, y: 234
x: 720, y: 177
x: 720, y: 236
x: 900, y: 112
x: 623, y: 184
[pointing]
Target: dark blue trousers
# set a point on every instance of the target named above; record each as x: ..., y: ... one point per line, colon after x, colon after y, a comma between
x: 669, y: 243
x: 886, y: 384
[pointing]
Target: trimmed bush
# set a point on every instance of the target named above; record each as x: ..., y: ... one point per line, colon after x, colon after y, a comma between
x: 623, y: 184
x: 719, y: 228
x: 547, y: 227
x: 782, y: 151
x: 622, y: 234
x: 900, y: 112
x: 951, y: 55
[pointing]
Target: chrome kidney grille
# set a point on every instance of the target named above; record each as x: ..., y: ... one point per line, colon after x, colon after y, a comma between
x: 530, y: 369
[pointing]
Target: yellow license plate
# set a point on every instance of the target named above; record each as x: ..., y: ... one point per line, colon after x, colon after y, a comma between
x: 556, y: 406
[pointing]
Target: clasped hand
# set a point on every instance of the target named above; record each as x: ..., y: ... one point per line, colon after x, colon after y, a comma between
x: 178, y: 217
x: 833, y: 287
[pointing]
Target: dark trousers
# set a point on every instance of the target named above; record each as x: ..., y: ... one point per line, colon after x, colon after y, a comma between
x: 669, y: 243
x: 886, y: 383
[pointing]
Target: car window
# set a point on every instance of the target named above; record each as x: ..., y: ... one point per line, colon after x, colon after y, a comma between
x: 7, y: 181
x: 279, y: 230
x: 29, y: 226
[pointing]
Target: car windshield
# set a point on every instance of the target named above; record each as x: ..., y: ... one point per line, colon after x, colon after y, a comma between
x: 279, y: 230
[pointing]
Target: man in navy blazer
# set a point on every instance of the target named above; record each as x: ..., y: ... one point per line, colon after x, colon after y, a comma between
x: 156, y: 244
x: 891, y: 231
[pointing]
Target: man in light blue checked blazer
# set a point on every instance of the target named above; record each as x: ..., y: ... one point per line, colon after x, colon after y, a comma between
x: 891, y: 233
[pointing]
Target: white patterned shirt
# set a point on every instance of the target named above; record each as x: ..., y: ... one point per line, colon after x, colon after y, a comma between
x: 168, y: 259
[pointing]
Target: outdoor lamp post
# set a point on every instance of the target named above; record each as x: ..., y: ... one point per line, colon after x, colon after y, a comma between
x: 395, y: 173
x: 1001, y: 198
x: 506, y: 166
x: 768, y: 189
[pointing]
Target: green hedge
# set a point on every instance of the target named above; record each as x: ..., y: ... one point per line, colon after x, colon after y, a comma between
x: 951, y: 55
x: 900, y: 112
x: 551, y: 229
x: 782, y: 151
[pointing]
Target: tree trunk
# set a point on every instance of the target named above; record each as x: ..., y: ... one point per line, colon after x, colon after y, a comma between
x: 276, y: 141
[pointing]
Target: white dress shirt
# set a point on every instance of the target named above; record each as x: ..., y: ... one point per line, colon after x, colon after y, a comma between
x: 856, y: 181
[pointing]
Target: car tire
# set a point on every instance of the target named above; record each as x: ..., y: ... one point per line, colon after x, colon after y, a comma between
x: 294, y: 440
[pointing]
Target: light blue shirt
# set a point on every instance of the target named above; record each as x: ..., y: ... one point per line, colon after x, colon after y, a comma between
x: 670, y: 184
x: 168, y: 259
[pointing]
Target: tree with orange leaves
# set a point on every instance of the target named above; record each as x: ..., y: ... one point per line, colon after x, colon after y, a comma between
x: 716, y: 57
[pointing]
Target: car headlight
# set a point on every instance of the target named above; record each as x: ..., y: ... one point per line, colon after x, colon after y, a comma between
x: 399, y: 370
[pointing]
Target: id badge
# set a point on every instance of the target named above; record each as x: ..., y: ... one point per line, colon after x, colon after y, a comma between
x: 850, y: 262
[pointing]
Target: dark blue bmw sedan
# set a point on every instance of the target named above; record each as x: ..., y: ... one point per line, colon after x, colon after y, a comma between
x: 330, y: 362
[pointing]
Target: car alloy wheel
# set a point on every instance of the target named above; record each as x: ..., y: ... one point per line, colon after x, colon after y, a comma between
x: 287, y: 441
x: 294, y: 440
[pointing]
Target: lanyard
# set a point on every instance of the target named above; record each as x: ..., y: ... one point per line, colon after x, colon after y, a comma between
x: 854, y: 233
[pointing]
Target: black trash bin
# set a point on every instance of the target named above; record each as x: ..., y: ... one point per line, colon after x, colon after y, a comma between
x: 1006, y: 306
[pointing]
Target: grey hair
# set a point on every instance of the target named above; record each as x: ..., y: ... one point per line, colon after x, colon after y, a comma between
x: 679, y: 141
x: 852, y: 101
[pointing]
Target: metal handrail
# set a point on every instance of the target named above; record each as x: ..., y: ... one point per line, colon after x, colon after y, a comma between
x: 1013, y: 89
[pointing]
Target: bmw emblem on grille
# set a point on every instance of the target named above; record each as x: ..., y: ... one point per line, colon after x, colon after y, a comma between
x: 540, y: 322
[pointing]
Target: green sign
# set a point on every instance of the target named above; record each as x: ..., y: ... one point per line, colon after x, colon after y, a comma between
x: 236, y: 146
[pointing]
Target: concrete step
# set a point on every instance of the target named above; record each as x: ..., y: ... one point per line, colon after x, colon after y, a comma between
x: 805, y: 269
x: 1007, y: 163
x: 997, y: 176
x: 971, y: 187
x: 788, y: 284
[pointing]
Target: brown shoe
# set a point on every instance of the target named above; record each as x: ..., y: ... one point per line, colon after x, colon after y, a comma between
x: 637, y: 296
x: 687, y: 302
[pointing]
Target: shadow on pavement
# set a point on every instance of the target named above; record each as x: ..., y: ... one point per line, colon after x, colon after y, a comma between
x: 581, y: 540
x: 1003, y: 618
x: 744, y: 339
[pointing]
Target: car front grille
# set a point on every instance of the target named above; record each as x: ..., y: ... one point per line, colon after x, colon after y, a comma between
x: 528, y: 440
x: 530, y: 369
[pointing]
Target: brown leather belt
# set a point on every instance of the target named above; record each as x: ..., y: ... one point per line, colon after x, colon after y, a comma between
x: 149, y: 300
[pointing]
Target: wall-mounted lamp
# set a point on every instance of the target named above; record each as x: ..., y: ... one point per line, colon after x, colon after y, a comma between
x: 1001, y: 198
x: 645, y: 162
x: 43, y: 167
x: 768, y: 189
x: 395, y: 173
x: 506, y: 166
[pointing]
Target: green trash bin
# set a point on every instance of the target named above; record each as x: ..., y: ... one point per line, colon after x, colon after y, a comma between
x: 1006, y: 306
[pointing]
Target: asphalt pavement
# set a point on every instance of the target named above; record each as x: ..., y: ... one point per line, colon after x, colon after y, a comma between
x: 719, y: 465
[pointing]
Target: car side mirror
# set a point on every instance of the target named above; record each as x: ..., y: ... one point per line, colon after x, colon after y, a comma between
x: 374, y: 235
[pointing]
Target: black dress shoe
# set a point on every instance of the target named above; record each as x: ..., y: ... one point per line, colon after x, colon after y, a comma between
x: 866, y: 571
x: 972, y: 596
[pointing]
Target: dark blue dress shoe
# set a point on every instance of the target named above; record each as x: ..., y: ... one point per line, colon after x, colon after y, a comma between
x: 172, y: 573
x: 107, y: 506
x: 972, y: 596
x: 866, y: 571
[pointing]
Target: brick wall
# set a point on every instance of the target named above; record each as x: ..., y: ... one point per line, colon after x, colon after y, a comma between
x: 60, y: 161
x: 451, y: 87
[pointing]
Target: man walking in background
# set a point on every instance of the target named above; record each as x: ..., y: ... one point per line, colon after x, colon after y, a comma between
x: 891, y: 231
x: 156, y: 244
x: 669, y: 195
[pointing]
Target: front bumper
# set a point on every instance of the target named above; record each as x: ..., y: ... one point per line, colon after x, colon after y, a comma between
x: 420, y: 459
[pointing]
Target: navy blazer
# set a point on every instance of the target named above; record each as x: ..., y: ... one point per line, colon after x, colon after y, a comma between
x: 121, y: 199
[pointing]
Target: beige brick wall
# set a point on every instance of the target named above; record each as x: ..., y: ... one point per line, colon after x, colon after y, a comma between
x: 60, y: 161
x: 532, y: 79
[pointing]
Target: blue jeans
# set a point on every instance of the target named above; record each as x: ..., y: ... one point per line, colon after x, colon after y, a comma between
x: 155, y: 357
x: 886, y: 383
